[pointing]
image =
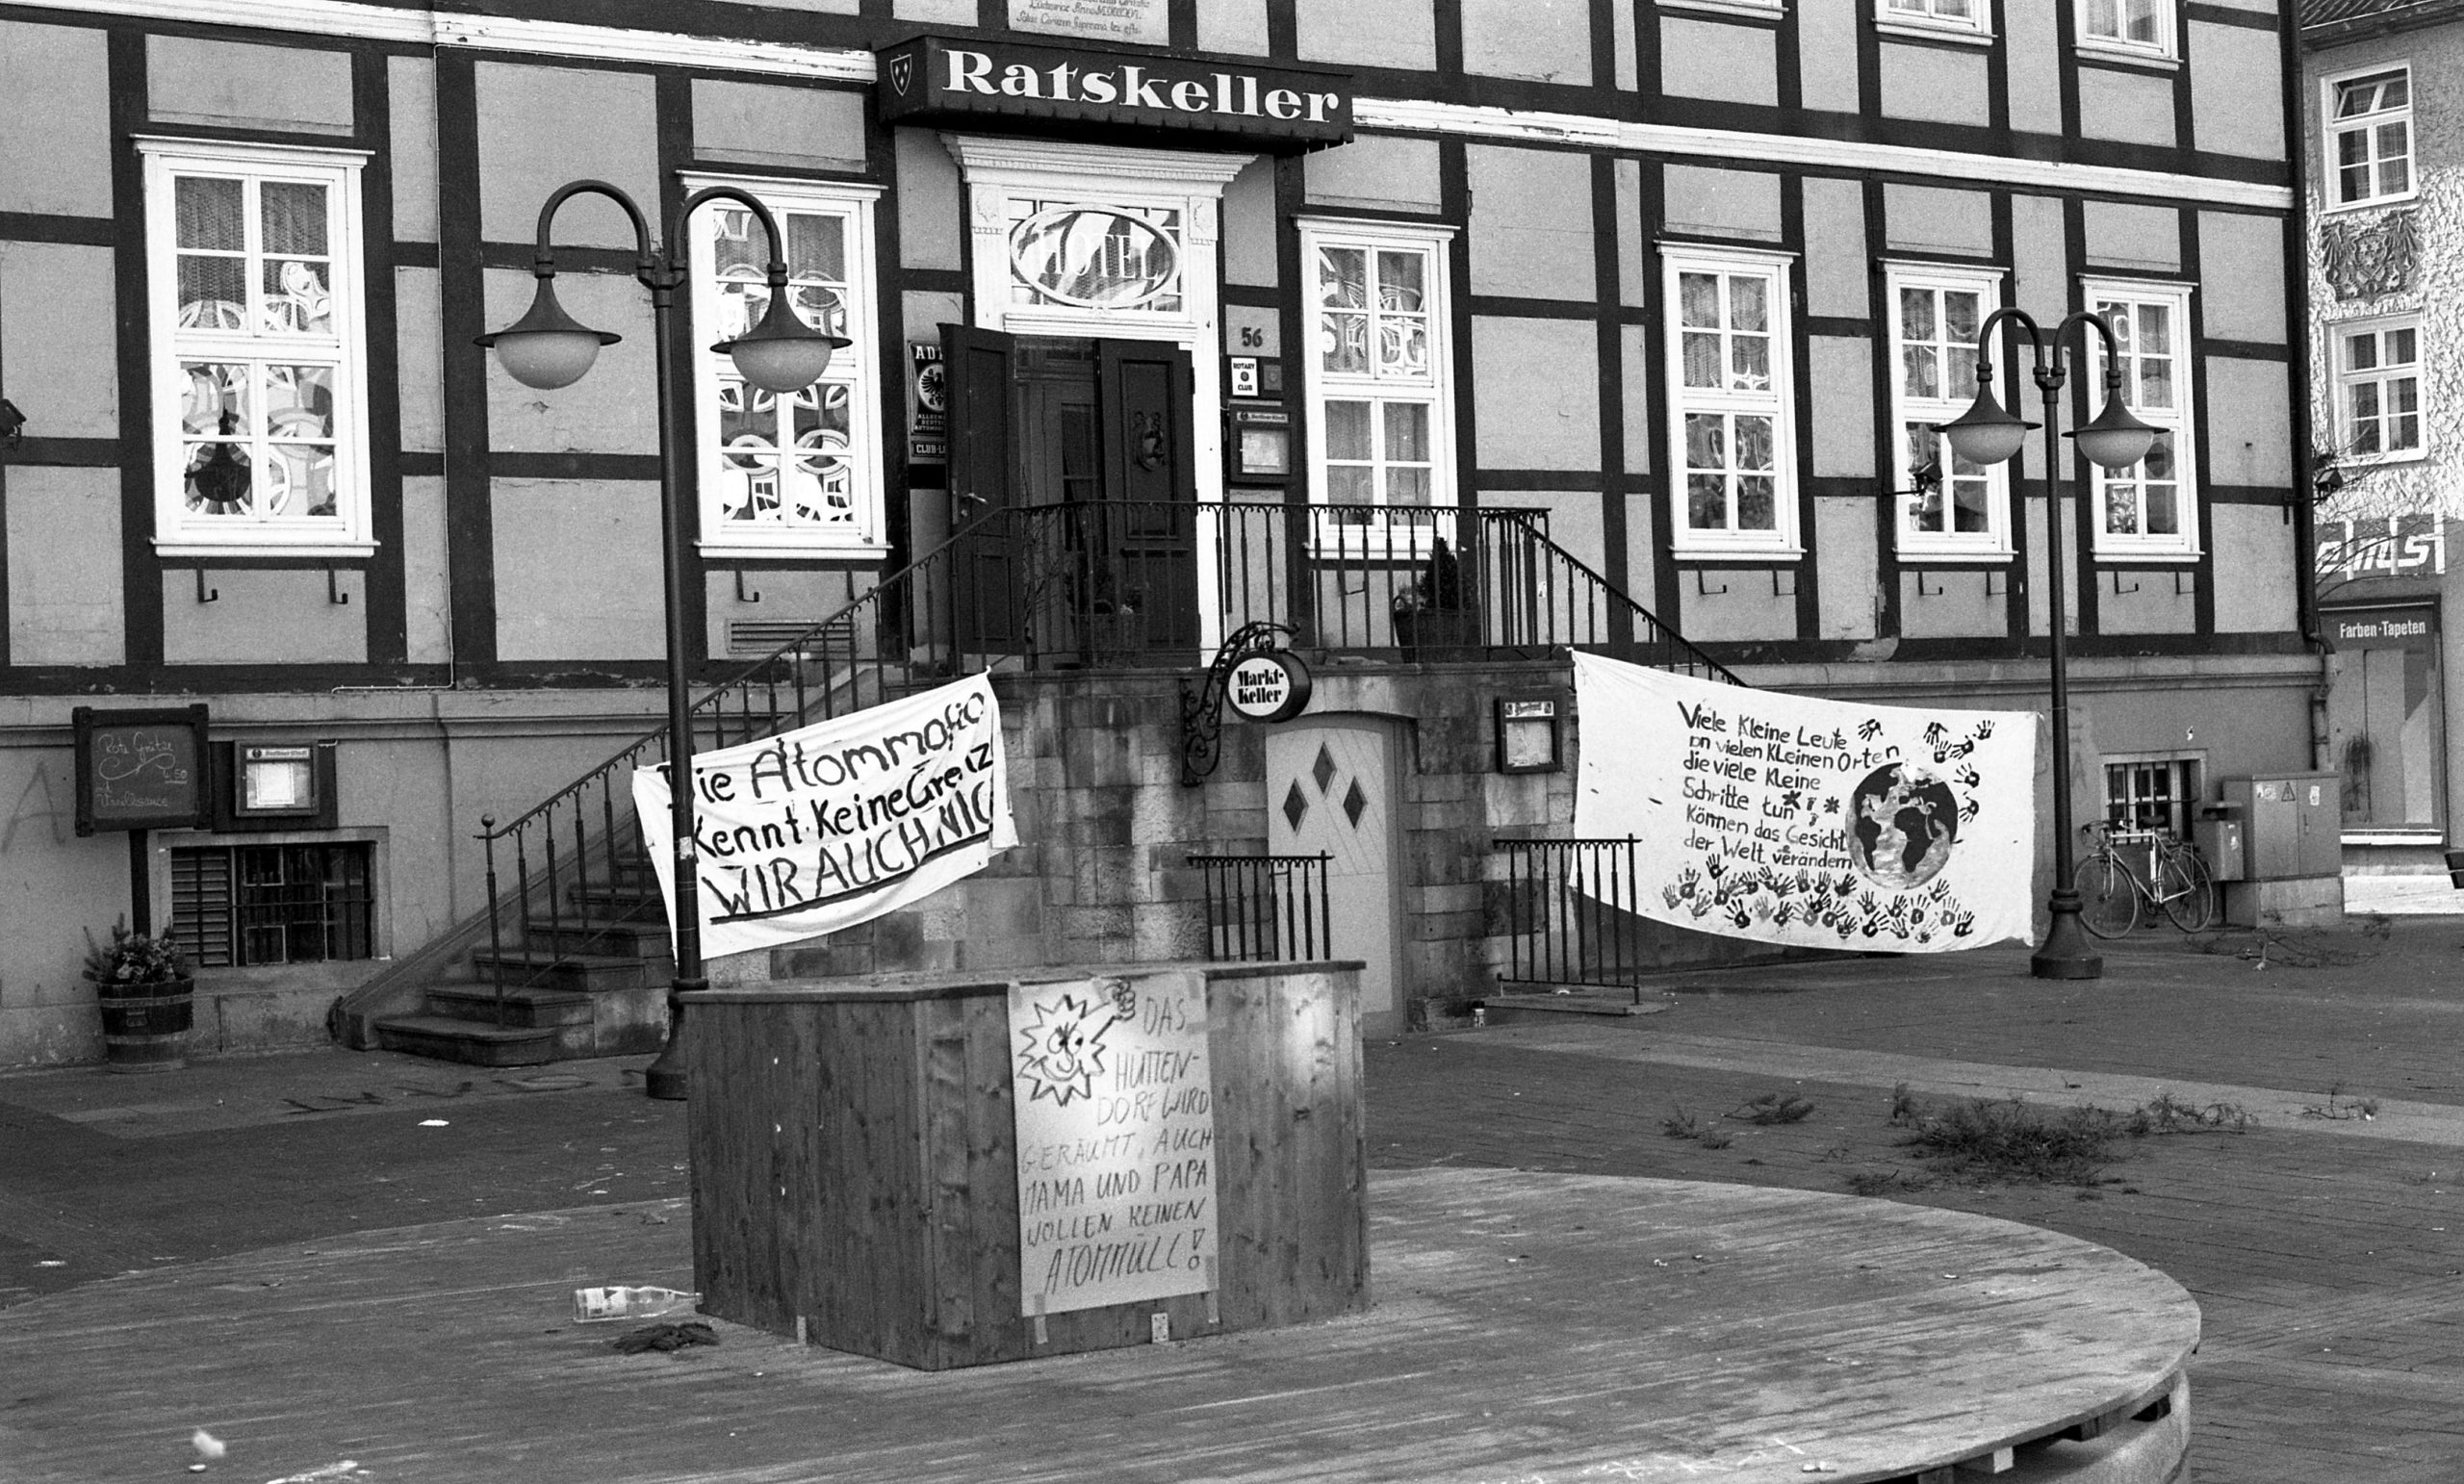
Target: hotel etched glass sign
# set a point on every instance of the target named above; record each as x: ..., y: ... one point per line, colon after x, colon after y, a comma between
x: 1096, y: 257
x: 1117, y: 94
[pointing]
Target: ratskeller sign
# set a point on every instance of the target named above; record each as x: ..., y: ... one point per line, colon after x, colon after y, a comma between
x: 1082, y: 90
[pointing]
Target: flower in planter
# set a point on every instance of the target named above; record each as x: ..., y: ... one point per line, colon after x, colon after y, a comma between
x: 132, y: 958
x: 1438, y: 587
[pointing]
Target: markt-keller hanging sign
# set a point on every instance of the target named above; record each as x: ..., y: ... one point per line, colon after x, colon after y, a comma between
x: 831, y: 825
x: 1115, y: 94
x: 1816, y: 823
x: 1113, y: 1100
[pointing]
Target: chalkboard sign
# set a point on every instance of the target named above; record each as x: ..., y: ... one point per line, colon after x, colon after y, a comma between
x: 141, y: 770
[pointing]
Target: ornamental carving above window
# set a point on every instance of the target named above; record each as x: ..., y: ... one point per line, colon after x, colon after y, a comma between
x: 2366, y: 261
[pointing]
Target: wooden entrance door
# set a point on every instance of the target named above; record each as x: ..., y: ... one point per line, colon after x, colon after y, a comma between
x: 1331, y: 789
x: 986, y: 602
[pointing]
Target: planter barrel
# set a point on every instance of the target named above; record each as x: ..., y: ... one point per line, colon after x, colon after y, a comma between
x: 146, y: 1027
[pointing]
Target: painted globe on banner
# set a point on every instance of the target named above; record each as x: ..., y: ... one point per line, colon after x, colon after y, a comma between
x: 1906, y: 823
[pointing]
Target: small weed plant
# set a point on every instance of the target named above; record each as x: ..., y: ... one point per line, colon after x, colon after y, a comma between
x: 2007, y: 1141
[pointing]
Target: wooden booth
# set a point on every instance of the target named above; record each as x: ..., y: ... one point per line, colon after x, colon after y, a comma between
x: 952, y: 1170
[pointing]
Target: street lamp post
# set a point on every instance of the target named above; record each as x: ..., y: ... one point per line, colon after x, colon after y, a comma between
x: 547, y: 349
x: 2114, y: 439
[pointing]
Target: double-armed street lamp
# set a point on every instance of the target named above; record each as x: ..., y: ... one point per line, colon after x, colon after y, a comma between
x: 2114, y: 439
x: 547, y: 349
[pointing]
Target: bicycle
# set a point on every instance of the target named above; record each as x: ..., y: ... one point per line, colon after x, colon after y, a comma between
x: 2128, y: 866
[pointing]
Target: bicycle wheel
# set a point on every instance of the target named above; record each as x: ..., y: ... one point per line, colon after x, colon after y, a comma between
x: 2107, y: 897
x: 2187, y: 891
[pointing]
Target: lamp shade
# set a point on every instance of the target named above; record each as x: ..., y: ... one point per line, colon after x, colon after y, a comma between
x: 782, y: 353
x: 1985, y: 433
x: 2116, y: 439
x: 547, y: 348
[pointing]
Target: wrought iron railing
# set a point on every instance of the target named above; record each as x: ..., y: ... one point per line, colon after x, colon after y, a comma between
x: 1268, y: 908
x: 1075, y: 585
x: 1567, y: 912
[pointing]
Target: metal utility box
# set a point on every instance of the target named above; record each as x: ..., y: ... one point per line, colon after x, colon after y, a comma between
x: 2292, y: 824
x: 2221, y: 842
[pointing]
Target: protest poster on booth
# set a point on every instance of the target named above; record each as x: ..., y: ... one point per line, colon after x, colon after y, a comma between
x: 831, y: 825
x: 1811, y: 822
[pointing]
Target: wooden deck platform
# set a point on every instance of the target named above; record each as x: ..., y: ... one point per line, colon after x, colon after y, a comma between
x: 1527, y: 1328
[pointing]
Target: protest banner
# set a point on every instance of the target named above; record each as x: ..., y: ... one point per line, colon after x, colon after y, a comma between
x: 1811, y: 822
x: 831, y: 825
x: 1114, y: 1112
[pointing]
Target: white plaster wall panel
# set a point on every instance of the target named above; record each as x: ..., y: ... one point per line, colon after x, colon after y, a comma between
x: 1849, y: 598
x: 1535, y: 397
x: 1699, y: 58
x: 1542, y: 40
x: 760, y: 123
x: 936, y: 13
x: 1643, y: 512
x: 238, y: 84
x: 410, y: 138
x: 1633, y: 257
x: 578, y: 569
x: 1935, y: 83
x: 279, y: 616
x: 1621, y: 35
x: 541, y: 127
x: 2236, y: 75
x: 1843, y: 391
x: 819, y: 6
x: 1838, y: 270
x: 1826, y: 57
x: 2038, y: 608
x: 1721, y: 203
x: 2249, y: 423
x: 1726, y: 606
x: 419, y: 309
x: 2139, y: 601
x: 1929, y: 219
x: 1574, y: 518
x: 612, y: 409
x: 427, y: 581
x: 2133, y: 238
x: 1369, y: 33
x: 2255, y: 572
x: 1950, y: 605
x: 1248, y: 226
x: 2033, y: 45
x: 1233, y: 26
x: 2134, y: 107
x: 2241, y: 282
x: 2040, y: 273
x: 929, y: 221
x: 57, y: 302
x: 1635, y: 351
x: 55, y: 86
x: 1531, y: 234
x: 1379, y: 171
x: 65, y: 604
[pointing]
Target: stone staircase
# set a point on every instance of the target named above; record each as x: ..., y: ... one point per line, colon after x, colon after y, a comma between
x: 591, y: 982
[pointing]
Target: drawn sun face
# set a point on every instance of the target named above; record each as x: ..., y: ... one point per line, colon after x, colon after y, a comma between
x: 1061, y: 1053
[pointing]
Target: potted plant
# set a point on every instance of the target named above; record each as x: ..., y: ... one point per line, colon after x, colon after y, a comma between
x: 146, y: 989
x: 1430, y: 615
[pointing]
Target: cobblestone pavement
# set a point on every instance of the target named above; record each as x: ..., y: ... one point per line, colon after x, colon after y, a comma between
x: 2325, y: 1243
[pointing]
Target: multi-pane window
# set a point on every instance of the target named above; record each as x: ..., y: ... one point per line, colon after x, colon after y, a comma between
x: 2378, y: 389
x: 1729, y: 349
x: 2141, y: 26
x: 2151, y: 793
x: 1948, y: 14
x: 2370, y: 138
x: 2149, y: 508
x: 1379, y: 432
x: 234, y: 905
x: 788, y: 472
x: 1947, y: 504
x: 260, y: 408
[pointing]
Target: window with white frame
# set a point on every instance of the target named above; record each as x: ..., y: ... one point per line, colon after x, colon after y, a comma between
x: 2150, y: 508
x: 1948, y: 505
x: 260, y: 349
x: 788, y: 473
x: 2378, y: 389
x: 1731, y: 409
x: 1380, y: 382
x: 1957, y: 15
x: 2142, y: 28
x: 2369, y: 136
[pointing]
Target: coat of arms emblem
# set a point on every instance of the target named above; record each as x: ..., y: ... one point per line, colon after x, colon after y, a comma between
x: 902, y: 71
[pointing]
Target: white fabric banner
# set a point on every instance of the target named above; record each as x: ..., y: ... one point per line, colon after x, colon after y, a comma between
x: 831, y: 825
x: 1817, y: 824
